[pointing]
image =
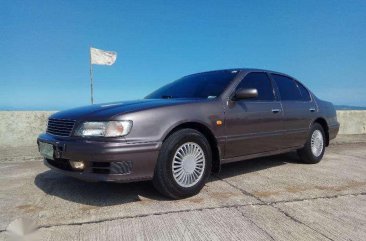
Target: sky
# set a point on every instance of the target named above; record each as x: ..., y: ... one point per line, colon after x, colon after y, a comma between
x: 44, y: 47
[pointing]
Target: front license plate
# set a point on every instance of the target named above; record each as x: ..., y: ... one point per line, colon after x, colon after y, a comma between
x: 46, y: 150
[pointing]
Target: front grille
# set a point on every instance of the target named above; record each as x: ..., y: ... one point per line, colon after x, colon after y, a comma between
x: 122, y: 167
x: 60, y: 127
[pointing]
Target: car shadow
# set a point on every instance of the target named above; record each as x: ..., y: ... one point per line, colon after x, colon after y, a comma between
x: 94, y: 193
x: 108, y: 194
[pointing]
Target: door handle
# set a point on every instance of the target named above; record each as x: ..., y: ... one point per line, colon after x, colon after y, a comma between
x: 312, y: 109
x: 276, y: 110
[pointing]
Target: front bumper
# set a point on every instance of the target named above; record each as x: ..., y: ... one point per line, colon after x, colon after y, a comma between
x: 104, y: 160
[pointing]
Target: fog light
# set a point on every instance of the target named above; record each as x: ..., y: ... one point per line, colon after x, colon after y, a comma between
x: 77, y: 165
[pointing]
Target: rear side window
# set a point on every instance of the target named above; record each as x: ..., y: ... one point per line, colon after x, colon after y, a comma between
x: 287, y: 88
x: 261, y: 82
x: 305, y: 95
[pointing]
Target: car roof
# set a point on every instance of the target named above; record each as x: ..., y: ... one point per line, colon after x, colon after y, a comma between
x: 246, y: 70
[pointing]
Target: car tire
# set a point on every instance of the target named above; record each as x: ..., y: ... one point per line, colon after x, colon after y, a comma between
x: 314, y: 148
x: 183, y: 165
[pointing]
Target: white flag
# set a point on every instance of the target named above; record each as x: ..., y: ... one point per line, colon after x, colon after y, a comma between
x: 102, y: 57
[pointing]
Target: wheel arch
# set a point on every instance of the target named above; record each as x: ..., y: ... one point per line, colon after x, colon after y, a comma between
x: 321, y: 121
x: 206, y: 131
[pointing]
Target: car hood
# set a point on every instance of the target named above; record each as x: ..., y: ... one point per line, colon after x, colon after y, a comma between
x: 109, y: 110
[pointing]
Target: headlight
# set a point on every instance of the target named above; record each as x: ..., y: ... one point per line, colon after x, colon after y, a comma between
x: 107, y: 129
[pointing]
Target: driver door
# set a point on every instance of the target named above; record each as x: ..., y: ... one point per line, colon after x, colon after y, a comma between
x: 254, y: 125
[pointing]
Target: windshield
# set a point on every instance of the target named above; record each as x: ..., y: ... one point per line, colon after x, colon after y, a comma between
x: 204, y: 85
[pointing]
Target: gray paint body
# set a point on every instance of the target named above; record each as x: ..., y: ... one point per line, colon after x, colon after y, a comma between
x: 250, y: 129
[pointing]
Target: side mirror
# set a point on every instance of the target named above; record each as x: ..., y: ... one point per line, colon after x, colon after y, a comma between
x: 241, y: 94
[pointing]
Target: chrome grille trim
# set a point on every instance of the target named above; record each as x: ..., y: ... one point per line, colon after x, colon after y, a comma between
x: 60, y: 127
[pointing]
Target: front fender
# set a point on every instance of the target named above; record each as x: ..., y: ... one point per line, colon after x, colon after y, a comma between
x: 156, y: 124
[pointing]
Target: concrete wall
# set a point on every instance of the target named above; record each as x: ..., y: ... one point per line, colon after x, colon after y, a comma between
x: 21, y: 128
x: 352, y: 121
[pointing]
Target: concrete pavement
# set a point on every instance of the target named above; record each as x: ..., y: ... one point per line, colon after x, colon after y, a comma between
x: 273, y: 198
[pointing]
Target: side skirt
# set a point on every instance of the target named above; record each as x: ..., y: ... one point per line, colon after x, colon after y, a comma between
x: 263, y: 154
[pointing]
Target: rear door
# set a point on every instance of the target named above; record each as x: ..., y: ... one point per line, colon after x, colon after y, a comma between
x: 299, y: 110
x: 253, y: 125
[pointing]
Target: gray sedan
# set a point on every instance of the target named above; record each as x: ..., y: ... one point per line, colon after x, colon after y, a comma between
x: 187, y: 129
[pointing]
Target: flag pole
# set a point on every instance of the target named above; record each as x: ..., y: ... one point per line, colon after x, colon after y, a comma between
x: 91, y: 77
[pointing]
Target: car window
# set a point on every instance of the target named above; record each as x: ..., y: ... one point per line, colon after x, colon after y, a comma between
x: 203, y: 85
x: 261, y: 82
x: 305, y: 95
x: 287, y: 87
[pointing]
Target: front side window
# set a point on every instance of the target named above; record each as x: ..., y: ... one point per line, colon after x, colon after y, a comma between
x: 287, y: 87
x: 207, y: 85
x: 261, y: 82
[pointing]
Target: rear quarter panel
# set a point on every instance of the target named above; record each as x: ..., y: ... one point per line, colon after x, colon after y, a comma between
x: 328, y: 112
